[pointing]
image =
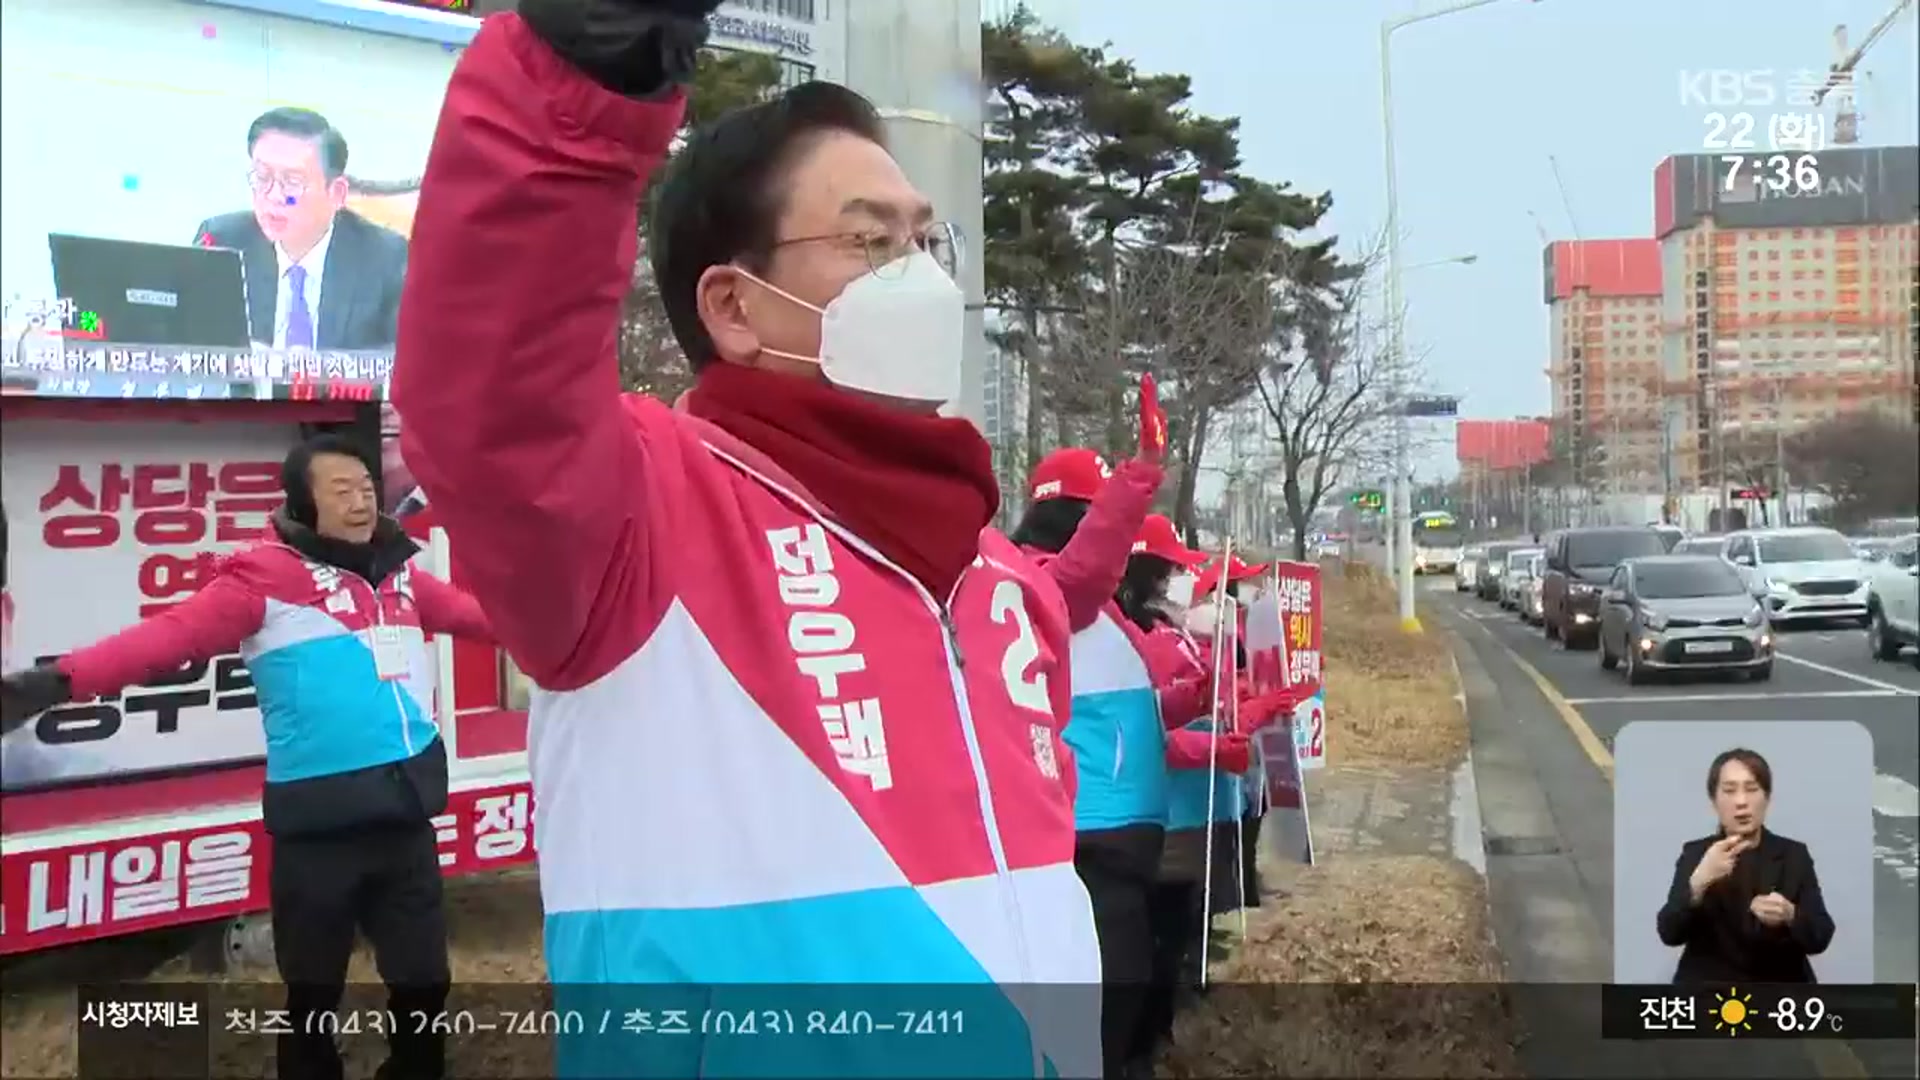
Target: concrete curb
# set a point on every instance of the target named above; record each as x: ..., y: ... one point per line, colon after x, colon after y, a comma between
x: 1469, y: 832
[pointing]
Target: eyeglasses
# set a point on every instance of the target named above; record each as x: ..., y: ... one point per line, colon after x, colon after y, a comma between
x: 292, y: 185
x: 884, y: 248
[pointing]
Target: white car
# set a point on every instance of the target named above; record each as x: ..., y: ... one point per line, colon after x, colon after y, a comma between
x: 1805, y: 572
x: 1893, y: 600
x: 1528, y: 580
x: 1466, y: 569
x: 1514, y: 581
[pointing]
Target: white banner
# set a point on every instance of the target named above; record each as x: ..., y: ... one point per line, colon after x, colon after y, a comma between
x: 109, y: 523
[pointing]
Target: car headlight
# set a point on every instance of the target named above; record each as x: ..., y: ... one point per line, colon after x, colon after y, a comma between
x: 1772, y: 586
x: 1581, y: 588
x: 1755, y: 617
x: 1653, y: 620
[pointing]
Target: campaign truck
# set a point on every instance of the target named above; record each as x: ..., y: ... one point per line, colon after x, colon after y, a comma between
x: 158, y: 357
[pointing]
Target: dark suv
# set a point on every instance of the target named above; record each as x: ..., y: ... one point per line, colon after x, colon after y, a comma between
x: 1578, y: 564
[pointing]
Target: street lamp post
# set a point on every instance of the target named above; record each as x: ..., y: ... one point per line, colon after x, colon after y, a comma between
x: 1402, y: 532
x: 1393, y: 567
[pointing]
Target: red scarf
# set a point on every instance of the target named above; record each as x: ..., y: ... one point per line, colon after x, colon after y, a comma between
x: 918, y: 488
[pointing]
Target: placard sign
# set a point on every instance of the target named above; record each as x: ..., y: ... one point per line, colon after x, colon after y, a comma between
x: 1284, y: 629
x: 110, y: 524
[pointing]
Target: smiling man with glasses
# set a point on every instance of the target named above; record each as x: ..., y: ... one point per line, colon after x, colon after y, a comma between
x: 319, y: 276
x: 798, y: 707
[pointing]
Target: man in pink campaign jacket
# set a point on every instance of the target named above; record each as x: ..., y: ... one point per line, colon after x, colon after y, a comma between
x: 331, y: 620
x: 795, y: 741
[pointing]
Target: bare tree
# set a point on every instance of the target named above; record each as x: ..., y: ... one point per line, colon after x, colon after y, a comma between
x: 1330, y: 403
x: 1204, y: 331
x: 650, y: 358
x: 1867, y: 462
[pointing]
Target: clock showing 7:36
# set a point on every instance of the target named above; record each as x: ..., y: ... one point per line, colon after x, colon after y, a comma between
x: 1792, y: 175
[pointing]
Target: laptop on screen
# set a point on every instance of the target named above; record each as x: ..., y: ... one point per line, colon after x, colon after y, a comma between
x: 154, y: 294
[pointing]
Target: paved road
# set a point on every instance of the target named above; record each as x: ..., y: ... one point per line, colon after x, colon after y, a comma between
x: 1820, y: 674
x: 1543, y: 760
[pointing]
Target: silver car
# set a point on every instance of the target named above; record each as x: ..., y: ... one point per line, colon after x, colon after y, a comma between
x: 1532, y: 608
x: 1466, y: 572
x: 1672, y: 613
x: 1513, y: 582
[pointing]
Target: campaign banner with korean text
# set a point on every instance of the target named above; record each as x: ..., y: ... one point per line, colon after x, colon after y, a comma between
x: 101, y: 888
x: 1285, y: 627
x: 111, y: 523
x: 1285, y: 827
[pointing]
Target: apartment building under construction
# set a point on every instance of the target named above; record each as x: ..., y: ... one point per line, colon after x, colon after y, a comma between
x: 1756, y: 309
x: 1604, y: 304
x: 1782, y: 307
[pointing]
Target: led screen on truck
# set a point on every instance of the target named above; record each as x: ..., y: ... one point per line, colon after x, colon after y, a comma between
x: 185, y: 185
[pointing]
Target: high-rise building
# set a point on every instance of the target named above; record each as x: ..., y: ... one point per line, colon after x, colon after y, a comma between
x: 807, y: 36
x: 1603, y: 299
x: 1791, y: 284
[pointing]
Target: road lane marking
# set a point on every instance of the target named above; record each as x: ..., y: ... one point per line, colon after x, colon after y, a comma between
x: 1894, y: 797
x: 1892, y: 688
x: 1583, y: 734
x: 1636, y: 699
x: 1831, y: 1060
x: 1899, y: 853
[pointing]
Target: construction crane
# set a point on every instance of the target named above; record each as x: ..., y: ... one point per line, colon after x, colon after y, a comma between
x: 1566, y: 204
x: 1846, y: 121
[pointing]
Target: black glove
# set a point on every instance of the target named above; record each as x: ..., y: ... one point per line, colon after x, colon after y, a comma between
x: 26, y: 694
x: 636, y: 48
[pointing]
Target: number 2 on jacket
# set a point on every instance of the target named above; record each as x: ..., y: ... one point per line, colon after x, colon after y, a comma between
x: 1029, y: 691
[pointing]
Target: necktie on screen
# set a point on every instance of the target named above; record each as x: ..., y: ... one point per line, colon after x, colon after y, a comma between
x: 299, y: 319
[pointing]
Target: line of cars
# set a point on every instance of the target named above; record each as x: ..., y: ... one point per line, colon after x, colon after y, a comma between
x: 1652, y: 601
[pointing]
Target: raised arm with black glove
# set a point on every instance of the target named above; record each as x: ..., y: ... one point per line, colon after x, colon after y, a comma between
x: 635, y: 48
x: 28, y: 693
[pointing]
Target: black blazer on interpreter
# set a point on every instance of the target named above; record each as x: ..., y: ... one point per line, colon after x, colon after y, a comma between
x: 1719, y: 938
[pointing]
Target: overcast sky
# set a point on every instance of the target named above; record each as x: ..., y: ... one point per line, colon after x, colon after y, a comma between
x: 1482, y: 99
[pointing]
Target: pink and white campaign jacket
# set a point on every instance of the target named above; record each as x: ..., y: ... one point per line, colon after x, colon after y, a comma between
x: 348, y: 744
x: 761, y: 752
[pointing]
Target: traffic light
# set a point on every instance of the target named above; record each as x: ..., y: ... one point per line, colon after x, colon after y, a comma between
x: 1368, y: 500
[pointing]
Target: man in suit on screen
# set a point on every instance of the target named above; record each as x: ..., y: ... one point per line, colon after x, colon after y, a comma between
x: 319, y: 276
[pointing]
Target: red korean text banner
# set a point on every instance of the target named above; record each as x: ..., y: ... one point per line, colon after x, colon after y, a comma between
x: 109, y: 524
x: 74, y: 892
x: 1303, y: 607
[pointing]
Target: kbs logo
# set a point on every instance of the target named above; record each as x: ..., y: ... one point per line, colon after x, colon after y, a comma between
x: 1735, y: 94
x: 1726, y: 88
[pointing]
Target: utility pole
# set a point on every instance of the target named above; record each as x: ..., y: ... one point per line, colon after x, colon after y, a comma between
x: 909, y: 57
x: 1526, y: 498
x: 1780, y: 446
x: 1715, y: 412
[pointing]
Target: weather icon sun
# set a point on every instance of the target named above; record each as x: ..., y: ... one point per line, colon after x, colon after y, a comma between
x: 1733, y: 1014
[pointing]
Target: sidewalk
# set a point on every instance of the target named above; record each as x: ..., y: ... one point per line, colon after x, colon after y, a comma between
x: 1379, y: 960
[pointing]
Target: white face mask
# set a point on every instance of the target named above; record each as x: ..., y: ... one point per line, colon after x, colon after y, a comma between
x: 897, y: 332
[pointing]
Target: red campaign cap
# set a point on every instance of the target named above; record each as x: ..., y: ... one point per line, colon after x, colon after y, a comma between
x: 1236, y: 571
x: 1158, y: 538
x: 1071, y: 473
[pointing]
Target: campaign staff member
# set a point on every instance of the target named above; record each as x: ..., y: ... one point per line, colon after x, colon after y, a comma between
x: 1745, y: 902
x: 1115, y: 726
x: 330, y: 619
x: 798, y: 707
x: 319, y: 276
